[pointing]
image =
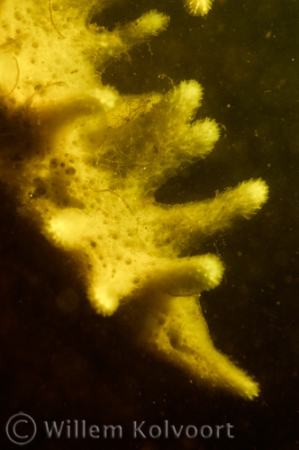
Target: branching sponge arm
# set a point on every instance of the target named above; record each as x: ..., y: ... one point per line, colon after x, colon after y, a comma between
x: 198, y: 7
x: 180, y: 227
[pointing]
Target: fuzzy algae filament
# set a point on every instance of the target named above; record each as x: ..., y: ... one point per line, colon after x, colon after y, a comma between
x: 88, y: 162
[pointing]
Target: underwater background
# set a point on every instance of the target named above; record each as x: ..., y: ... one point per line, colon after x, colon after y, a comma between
x: 59, y: 360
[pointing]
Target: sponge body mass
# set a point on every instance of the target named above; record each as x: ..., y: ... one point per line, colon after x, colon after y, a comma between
x: 84, y: 162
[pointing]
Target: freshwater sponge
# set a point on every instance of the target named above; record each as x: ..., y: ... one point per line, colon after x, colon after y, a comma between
x: 84, y: 163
